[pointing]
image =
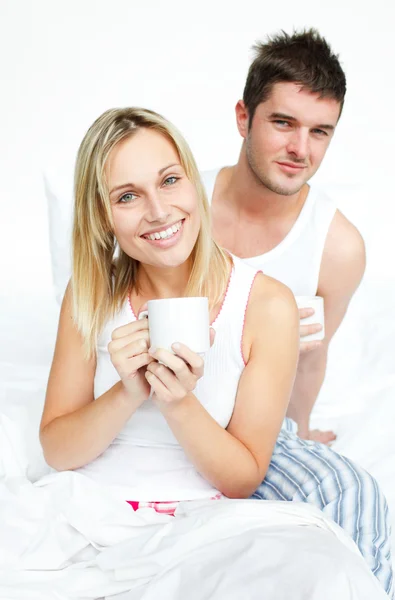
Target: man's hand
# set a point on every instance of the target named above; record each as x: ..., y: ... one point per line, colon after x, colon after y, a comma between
x: 306, y: 330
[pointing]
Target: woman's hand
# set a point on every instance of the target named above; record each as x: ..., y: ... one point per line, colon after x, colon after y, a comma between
x: 129, y: 355
x: 173, y: 376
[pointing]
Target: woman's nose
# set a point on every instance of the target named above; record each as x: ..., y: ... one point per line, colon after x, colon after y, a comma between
x: 158, y: 210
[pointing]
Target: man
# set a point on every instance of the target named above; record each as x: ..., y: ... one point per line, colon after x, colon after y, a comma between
x: 265, y: 212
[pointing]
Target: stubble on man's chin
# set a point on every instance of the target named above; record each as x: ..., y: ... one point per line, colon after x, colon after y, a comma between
x: 264, y: 181
x: 270, y: 185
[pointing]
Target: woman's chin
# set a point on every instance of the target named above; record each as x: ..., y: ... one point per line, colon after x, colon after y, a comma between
x: 168, y: 260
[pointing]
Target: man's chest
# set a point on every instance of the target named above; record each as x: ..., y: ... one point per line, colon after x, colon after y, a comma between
x: 247, y: 238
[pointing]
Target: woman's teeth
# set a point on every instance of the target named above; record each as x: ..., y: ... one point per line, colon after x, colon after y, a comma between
x: 166, y: 233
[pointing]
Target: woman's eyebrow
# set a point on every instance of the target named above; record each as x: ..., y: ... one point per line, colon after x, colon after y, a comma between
x: 130, y: 184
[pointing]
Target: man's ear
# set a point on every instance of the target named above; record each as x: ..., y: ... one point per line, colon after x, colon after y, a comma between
x: 242, y: 118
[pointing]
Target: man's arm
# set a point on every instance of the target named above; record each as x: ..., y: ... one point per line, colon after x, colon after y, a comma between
x: 342, y: 268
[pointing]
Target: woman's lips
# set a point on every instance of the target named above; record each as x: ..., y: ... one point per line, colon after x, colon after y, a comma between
x: 166, y: 242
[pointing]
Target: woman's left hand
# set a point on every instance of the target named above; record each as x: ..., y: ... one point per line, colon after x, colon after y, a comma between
x: 176, y: 375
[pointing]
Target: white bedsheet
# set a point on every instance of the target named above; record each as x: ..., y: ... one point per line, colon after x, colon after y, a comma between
x: 84, y: 532
x: 66, y: 537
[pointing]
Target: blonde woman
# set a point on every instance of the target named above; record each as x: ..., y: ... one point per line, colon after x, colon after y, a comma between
x: 135, y: 175
x: 209, y: 428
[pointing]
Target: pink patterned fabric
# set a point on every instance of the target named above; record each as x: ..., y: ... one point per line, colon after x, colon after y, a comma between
x: 164, y: 508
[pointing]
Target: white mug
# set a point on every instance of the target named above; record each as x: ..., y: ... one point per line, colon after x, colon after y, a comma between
x: 185, y: 320
x: 317, y: 303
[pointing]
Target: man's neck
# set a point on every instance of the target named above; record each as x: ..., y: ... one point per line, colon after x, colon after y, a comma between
x: 250, y: 199
x: 248, y: 218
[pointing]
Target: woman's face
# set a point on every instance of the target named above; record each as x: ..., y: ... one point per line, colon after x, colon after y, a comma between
x: 155, y: 207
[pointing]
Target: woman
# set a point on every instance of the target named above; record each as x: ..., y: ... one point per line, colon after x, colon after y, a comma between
x: 136, y: 176
x: 142, y: 231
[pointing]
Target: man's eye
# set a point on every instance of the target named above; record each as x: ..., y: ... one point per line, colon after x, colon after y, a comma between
x: 170, y: 180
x: 281, y: 123
x: 126, y: 198
x: 319, y: 131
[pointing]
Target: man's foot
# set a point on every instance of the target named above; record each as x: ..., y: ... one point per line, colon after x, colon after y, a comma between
x: 324, y: 437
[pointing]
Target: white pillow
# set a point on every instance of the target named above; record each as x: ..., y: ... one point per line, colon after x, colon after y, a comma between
x: 58, y: 185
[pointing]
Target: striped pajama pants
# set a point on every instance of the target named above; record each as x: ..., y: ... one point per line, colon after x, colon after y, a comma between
x: 305, y: 471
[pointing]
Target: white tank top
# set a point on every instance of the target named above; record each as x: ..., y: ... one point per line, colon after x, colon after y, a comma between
x: 296, y: 260
x: 146, y: 462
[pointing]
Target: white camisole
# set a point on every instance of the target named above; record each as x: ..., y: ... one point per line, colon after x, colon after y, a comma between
x: 145, y: 462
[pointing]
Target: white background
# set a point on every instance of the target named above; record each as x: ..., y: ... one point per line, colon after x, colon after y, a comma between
x: 63, y: 63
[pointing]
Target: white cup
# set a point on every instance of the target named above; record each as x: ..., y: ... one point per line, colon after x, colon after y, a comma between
x: 317, y: 303
x: 184, y: 320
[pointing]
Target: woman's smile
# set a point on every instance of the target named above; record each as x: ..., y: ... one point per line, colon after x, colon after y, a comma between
x: 166, y: 236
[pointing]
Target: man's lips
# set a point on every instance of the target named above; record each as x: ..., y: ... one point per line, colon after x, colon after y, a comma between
x: 290, y: 165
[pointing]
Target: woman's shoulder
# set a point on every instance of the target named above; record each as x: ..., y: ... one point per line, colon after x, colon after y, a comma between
x: 269, y: 290
x: 271, y: 302
x: 263, y: 287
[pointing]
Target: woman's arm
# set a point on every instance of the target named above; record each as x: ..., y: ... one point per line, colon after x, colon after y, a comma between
x: 74, y: 428
x: 235, y: 460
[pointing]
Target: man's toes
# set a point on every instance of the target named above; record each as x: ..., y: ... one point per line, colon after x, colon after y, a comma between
x: 324, y: 437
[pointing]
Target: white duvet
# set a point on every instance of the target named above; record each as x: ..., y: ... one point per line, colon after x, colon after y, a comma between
x: 65, y: 537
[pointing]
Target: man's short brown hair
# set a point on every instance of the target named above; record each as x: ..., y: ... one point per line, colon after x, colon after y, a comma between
x: 304, y: 58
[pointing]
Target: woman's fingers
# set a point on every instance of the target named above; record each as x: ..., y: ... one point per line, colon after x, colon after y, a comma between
x: 184, y: 363
x: 129, y: 329
x: 126, y: 359
x: 157, y: 387
x: 167, y: 386
x: 140, y: 338
x: 194, y: 360
x: 136, y: 363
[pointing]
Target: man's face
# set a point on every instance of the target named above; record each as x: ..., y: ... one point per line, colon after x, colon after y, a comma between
x: 288, y: 137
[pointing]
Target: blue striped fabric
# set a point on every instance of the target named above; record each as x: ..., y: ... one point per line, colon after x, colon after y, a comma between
x: 305, y: 471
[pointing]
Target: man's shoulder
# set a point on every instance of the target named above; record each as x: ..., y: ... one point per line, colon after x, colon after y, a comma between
x: 344, y: 257
x: 344, y: 239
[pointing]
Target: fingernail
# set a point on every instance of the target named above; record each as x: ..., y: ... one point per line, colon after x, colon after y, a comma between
x: 152, y: 350
x: 176, y: 346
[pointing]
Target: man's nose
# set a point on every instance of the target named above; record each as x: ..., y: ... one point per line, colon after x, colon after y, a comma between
x: 298, y: 144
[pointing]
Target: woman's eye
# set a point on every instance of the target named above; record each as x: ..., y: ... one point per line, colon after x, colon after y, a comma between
x: 126, y: 198
x: 170, y: 180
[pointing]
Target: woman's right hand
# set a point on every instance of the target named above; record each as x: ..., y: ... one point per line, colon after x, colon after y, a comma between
x: 129, y: 354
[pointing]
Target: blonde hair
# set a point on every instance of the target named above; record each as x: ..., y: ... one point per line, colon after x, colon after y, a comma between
x: 100, y: 283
